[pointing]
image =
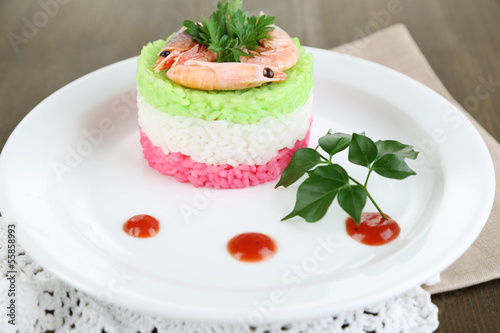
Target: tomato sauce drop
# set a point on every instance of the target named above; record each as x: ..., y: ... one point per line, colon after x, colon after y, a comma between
x: 373, y: 229
x: 141, y: 226
x: 251, y: 247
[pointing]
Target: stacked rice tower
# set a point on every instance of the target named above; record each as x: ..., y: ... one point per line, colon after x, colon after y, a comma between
x: 223, y: 139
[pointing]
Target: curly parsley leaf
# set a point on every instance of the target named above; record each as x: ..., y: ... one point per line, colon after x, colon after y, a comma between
x: 229, y: 29
x: 234, y: 6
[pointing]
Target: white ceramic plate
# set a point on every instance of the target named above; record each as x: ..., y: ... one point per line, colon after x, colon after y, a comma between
x: 72, y: 172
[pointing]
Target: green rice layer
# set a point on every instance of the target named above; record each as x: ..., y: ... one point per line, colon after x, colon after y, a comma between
x: 245, y: 106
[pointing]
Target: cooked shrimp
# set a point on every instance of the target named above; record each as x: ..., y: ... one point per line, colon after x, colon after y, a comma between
x: 223, y: 76
x: 178, y: 44
x: 277, y: 51
x: 198, y: 52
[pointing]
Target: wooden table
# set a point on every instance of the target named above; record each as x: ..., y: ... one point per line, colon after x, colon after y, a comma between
x: 460, y: 38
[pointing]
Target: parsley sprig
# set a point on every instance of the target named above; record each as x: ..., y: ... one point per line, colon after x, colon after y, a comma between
x: 229, y: 29
x: 327, y: 180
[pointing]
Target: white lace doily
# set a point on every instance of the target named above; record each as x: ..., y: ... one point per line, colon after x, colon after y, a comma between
x: 46, y: 304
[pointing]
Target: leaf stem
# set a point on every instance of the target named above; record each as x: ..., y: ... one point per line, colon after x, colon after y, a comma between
x: 376, y: 206
x: 326, y: 159
x: 370, y: 197
x: 357, y: 183
x: 367, y: 176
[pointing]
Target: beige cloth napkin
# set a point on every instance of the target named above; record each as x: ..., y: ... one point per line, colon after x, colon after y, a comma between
x: 395, y: 48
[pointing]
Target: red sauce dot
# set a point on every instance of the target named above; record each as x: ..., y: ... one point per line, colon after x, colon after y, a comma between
x: 251, y: 247
x: 373, y: 229
x: 142, y: 226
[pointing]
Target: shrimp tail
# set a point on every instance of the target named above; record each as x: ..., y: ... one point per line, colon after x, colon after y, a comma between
x: 278, y: 50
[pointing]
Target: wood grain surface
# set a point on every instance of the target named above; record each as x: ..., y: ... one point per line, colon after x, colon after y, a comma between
x: 44, y: 46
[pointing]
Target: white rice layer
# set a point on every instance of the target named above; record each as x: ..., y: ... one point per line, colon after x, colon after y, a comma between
x: 220, y: 141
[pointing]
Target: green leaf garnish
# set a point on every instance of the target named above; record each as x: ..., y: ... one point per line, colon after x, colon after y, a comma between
x: 390, y: 161
x: 332, y: 172
x: 302, y: 160
x: 352, y: 199
x: 317, y: 192
x: 325, y: 182
x: 362, y: 150
x: 395, y: 147
x: 334, y: 143
x: 229, y: 29
x: 392, y: 166
x: 233, y: 6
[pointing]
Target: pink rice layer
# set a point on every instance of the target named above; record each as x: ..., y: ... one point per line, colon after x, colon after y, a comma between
x: 184, y: 169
